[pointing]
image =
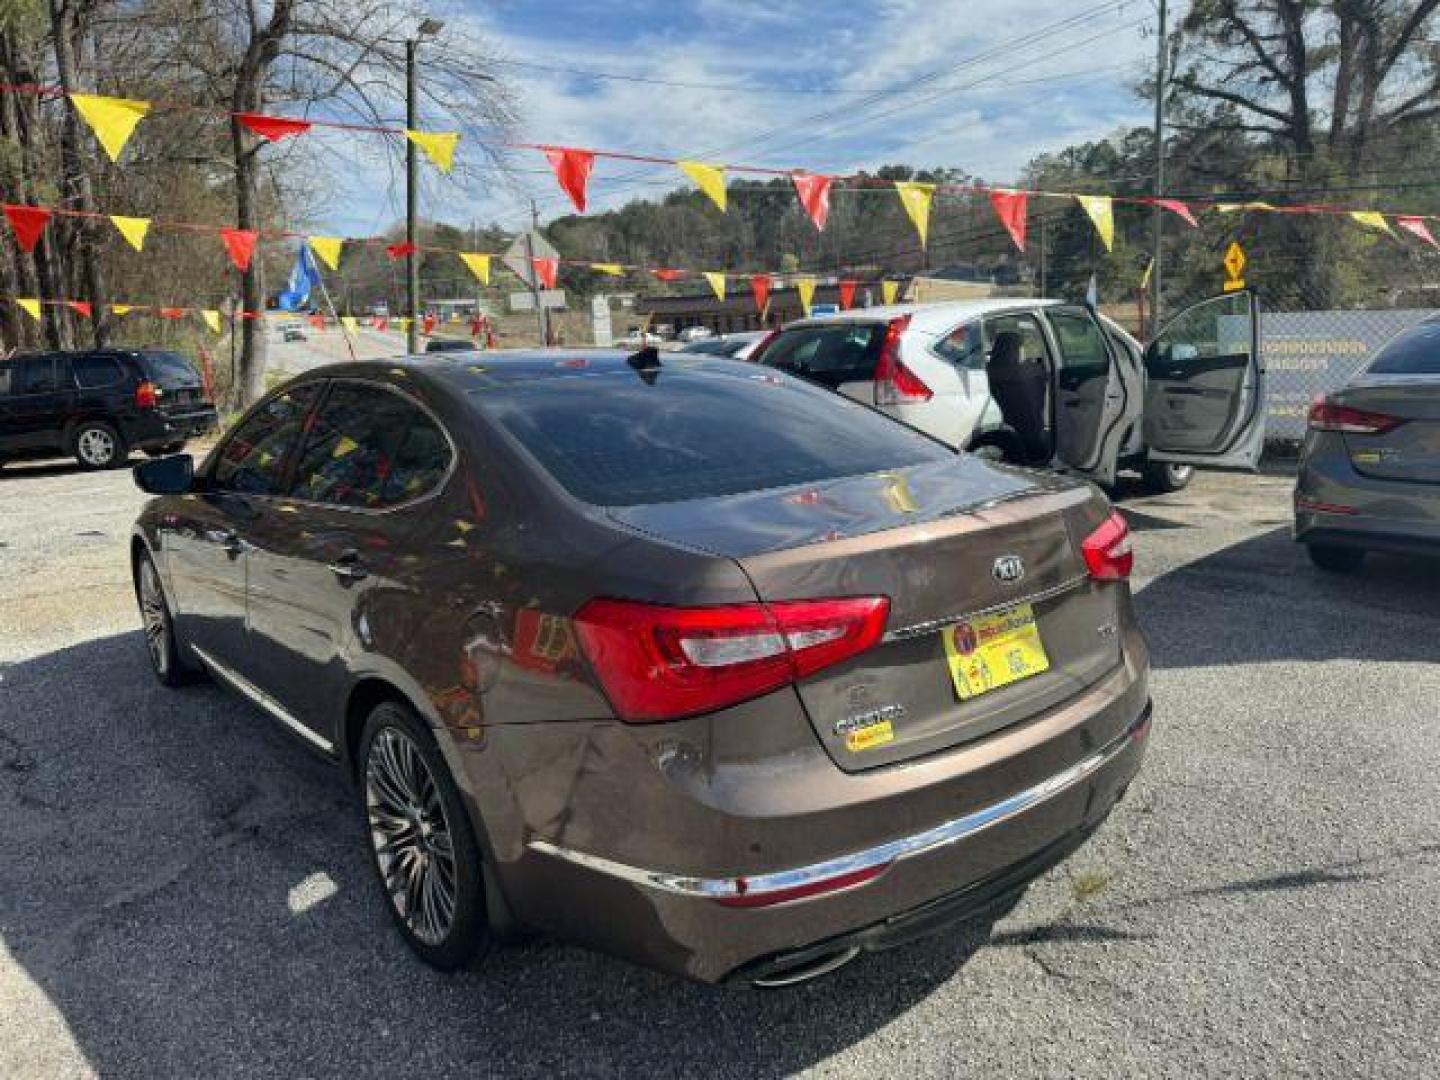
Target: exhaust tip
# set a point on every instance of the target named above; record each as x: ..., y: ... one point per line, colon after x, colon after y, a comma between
x: 806, y: 970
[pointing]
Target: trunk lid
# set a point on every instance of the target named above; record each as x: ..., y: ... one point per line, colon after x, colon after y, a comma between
x: 1409, y: 451
x: 930, y: 538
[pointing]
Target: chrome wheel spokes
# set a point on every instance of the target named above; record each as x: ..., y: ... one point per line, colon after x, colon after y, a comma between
x: 96, y: 446
x: 411, y: 835
x: 154, y: 617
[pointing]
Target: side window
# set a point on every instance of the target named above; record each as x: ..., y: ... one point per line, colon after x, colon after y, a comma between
x: 963, y: 346
x: 370, y: 448
x: 828, y: 353
x: 7, y: 378
x: 93, y: 372
x: 1082, y: 346
x: 253, y: 458
x: 1032, y: 338
x: 36, y: 375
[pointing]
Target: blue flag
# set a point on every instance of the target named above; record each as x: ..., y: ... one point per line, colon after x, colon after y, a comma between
x: 304, y: 277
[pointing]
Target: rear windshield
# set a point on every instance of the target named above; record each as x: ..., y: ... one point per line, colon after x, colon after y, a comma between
x: 166, y: 367
x: 616, y: 439
x: 1414, y: 352
x: 829, y: 353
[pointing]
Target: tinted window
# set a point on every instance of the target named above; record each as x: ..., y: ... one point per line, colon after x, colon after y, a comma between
x: 830, y: 354
x: 370, y: 447
x: 1082, y: 345
x: 253, y: 459
x: 7, y: 378
x: 96, y: 371
x: 36, y: 375
x: 616, y: 439
x: 963, y: 346
x: 1414, y: 352
x: 170, y: 368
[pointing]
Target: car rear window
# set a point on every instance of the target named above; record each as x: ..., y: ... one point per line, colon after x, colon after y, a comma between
x: 627, y: 439
x: 164, y: 367
x: 1413, y: 352
x: 828, y: 353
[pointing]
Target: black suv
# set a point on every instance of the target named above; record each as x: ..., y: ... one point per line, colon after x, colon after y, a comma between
x: 98, y: 406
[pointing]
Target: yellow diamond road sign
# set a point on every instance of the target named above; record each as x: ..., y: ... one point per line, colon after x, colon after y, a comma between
x: 1234, y: 261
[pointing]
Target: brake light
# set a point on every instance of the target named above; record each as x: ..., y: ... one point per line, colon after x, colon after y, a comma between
x: 894, y: 382
x: 1325, y: 415
x: 762, y: 345
x: 1109, y: 551
x: 663, y: 663
x: 147, y: 395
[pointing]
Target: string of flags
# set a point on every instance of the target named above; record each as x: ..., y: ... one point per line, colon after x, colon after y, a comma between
x: 214, y: 319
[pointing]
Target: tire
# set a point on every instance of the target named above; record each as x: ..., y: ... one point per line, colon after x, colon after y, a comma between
x: 1337, y: 560
x: 166, y: 450
x: 158, y: 626
x: 97, y: 445
x: 1166, y: 476
x: 408, y: 802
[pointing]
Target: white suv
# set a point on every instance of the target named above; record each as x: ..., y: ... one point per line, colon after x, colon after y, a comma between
x: 1195, y: 397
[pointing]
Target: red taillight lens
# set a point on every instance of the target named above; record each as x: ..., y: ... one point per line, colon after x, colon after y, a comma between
x: 662, y: 663
x: 746, y: 897
x: 1109, y: 552
x: 894, y: 382
x: 764, y: 344
x: 1325, y: 415
x: 147, y: 395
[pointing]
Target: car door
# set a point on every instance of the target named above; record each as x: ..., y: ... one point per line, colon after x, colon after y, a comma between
x: 206, y: 540
x: 1090, y: 394
x: 1205, y: 386
x: 40, y: 400
x: 321, y: 566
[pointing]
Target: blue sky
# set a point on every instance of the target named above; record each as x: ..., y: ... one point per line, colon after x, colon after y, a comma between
x: 981, y: 85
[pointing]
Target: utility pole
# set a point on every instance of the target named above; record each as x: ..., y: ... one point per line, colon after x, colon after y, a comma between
x: 1160, y: 79
x: 540, y: 320
x: 1044, y: 238
x: 412, y: 260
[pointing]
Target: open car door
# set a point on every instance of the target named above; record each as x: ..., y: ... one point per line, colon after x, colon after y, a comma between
x: 1205, y: 386
x: 1090, y: 394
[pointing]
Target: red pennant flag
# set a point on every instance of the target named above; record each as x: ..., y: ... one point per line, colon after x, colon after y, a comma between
x: 399, y: 251
x: 382, y: 323
x: 272, y: 128
x: 847, y: 294
x: 760, y: 286
x: 240, y: 243
x: 814, y: 192
x: 317, y: 321
x: 546, y: 270
x: 252, y: 315
x: 667, y: 274
x: 28, y: 223
x: 572, y: 169
x: 171, y: 312
x: 1175, y: 206
x: 1010, y: 208
x: 80, y: 307
x: 428, y: 326
x: 1416, y: 226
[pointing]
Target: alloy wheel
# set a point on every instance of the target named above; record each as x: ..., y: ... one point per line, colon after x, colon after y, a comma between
x: 95, y: 446
x: 411, y: 835
x: 154, y: 618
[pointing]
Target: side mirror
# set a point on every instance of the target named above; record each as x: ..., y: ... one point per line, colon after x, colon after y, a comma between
x: 173, y: 475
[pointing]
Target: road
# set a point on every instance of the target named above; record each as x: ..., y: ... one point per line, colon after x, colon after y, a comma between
x: 185, y: 892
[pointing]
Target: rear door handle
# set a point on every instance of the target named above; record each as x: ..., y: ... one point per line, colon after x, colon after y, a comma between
x: 348, y: 567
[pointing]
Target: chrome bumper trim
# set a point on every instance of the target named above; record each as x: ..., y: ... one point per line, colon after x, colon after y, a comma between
x: 922, y: 843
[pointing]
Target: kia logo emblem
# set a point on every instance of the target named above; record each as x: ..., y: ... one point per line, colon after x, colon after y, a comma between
x: 1008, y: 568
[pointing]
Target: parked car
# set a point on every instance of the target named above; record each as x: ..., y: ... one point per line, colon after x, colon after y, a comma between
x: 637, y: 339
x: 1369, y: 475
x: 695, y: 333
x: 449, y: 345
x: 1040, y: 382
x: 710, y: 696
x: 739, y: 346
x: 292, y: 333
x: 98, y: 406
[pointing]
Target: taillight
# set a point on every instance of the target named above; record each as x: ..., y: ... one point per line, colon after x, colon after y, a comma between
x: 147, y: 395
x: 1325, y: 415
x: 746, y: 896
x: 1109, y: 552
x: 894, y: 382
x: 663, y: 663
x: 763, y: 344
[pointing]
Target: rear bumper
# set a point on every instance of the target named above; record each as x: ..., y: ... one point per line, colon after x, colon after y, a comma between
x: 1383, y: 515
x: 152, y: 428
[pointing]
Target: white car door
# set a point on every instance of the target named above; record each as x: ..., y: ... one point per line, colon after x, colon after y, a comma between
x: 1205, y: 386
x: 1091, y: 402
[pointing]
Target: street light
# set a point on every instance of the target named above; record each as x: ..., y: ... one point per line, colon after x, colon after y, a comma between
x: 428, y: 28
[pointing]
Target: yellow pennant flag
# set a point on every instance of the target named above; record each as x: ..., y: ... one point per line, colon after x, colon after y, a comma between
x: 121, y: 309
x: 479, y: 265
x: 1145, y: 277
x: 613, y: 269
x: 112, y: 119
x: 890, y: 291
x: 133, y: 229
x: 403, y: 323
x: 717, y: 283
x: 349, y: 324
x: 1372, y: 219
x: 916, y: 199
x: 1237, y: 207
x: 805, y: 286
x: 439, y: 146
x: 212, y: 319
x: 328, y: 248
x: 709, y: 178
x: 1102, y: 213
x: 31, y: 307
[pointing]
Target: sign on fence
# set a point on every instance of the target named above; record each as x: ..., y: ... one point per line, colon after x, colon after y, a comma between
x: 1311, y: 352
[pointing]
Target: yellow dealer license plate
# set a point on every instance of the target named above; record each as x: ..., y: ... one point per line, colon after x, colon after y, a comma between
x: 992, y: 651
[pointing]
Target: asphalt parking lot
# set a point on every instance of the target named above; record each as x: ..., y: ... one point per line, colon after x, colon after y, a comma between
x: 185, y: 892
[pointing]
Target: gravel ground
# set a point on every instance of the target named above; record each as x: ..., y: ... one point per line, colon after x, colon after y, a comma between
x: 185, y: 891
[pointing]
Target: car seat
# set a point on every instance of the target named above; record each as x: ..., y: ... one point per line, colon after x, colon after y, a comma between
x: 1019, y: 387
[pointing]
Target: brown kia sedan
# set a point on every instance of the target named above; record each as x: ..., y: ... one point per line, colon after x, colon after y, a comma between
x: 694, y: 663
